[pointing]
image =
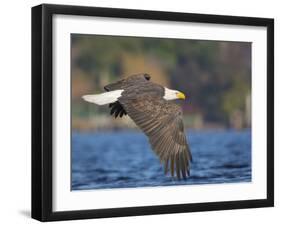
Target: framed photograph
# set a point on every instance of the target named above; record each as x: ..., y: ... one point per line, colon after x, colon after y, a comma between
x: 145, y: 112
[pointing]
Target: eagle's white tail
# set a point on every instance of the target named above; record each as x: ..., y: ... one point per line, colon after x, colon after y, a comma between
x: 103, y: 98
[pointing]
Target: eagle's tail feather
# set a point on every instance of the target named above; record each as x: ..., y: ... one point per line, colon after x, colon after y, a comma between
x: 103, y: 98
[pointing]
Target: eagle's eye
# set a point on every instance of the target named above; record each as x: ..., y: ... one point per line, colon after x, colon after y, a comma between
x: 147, y: 76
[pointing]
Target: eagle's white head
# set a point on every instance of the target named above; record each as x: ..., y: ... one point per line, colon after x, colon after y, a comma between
x: 173, y: 94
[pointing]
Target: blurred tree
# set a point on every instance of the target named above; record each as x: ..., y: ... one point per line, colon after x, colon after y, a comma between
x: 215, y: 75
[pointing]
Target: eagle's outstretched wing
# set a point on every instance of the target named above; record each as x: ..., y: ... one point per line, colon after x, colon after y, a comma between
x: 126, y: 82
x: 162, y: 122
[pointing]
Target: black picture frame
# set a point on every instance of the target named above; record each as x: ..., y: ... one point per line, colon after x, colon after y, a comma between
x: 42, y: 107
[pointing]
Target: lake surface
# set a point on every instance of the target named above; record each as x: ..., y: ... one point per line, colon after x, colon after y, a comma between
x: 124, y: 159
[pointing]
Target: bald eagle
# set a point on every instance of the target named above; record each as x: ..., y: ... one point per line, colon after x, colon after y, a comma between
x: 149, y: 105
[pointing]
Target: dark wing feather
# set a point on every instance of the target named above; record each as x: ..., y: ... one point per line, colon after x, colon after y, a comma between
x: 162, y: 122
x: 117, y: 109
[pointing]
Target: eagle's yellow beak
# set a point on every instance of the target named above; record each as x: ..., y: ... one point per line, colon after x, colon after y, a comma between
x: 180, y: 95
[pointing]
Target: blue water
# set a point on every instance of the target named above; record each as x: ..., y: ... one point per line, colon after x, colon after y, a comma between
x: 124, y: 159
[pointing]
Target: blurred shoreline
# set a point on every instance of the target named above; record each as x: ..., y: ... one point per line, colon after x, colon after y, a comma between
x: 105, y: 123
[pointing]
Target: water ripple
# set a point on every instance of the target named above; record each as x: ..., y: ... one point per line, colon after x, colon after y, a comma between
x: 124, y: 159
